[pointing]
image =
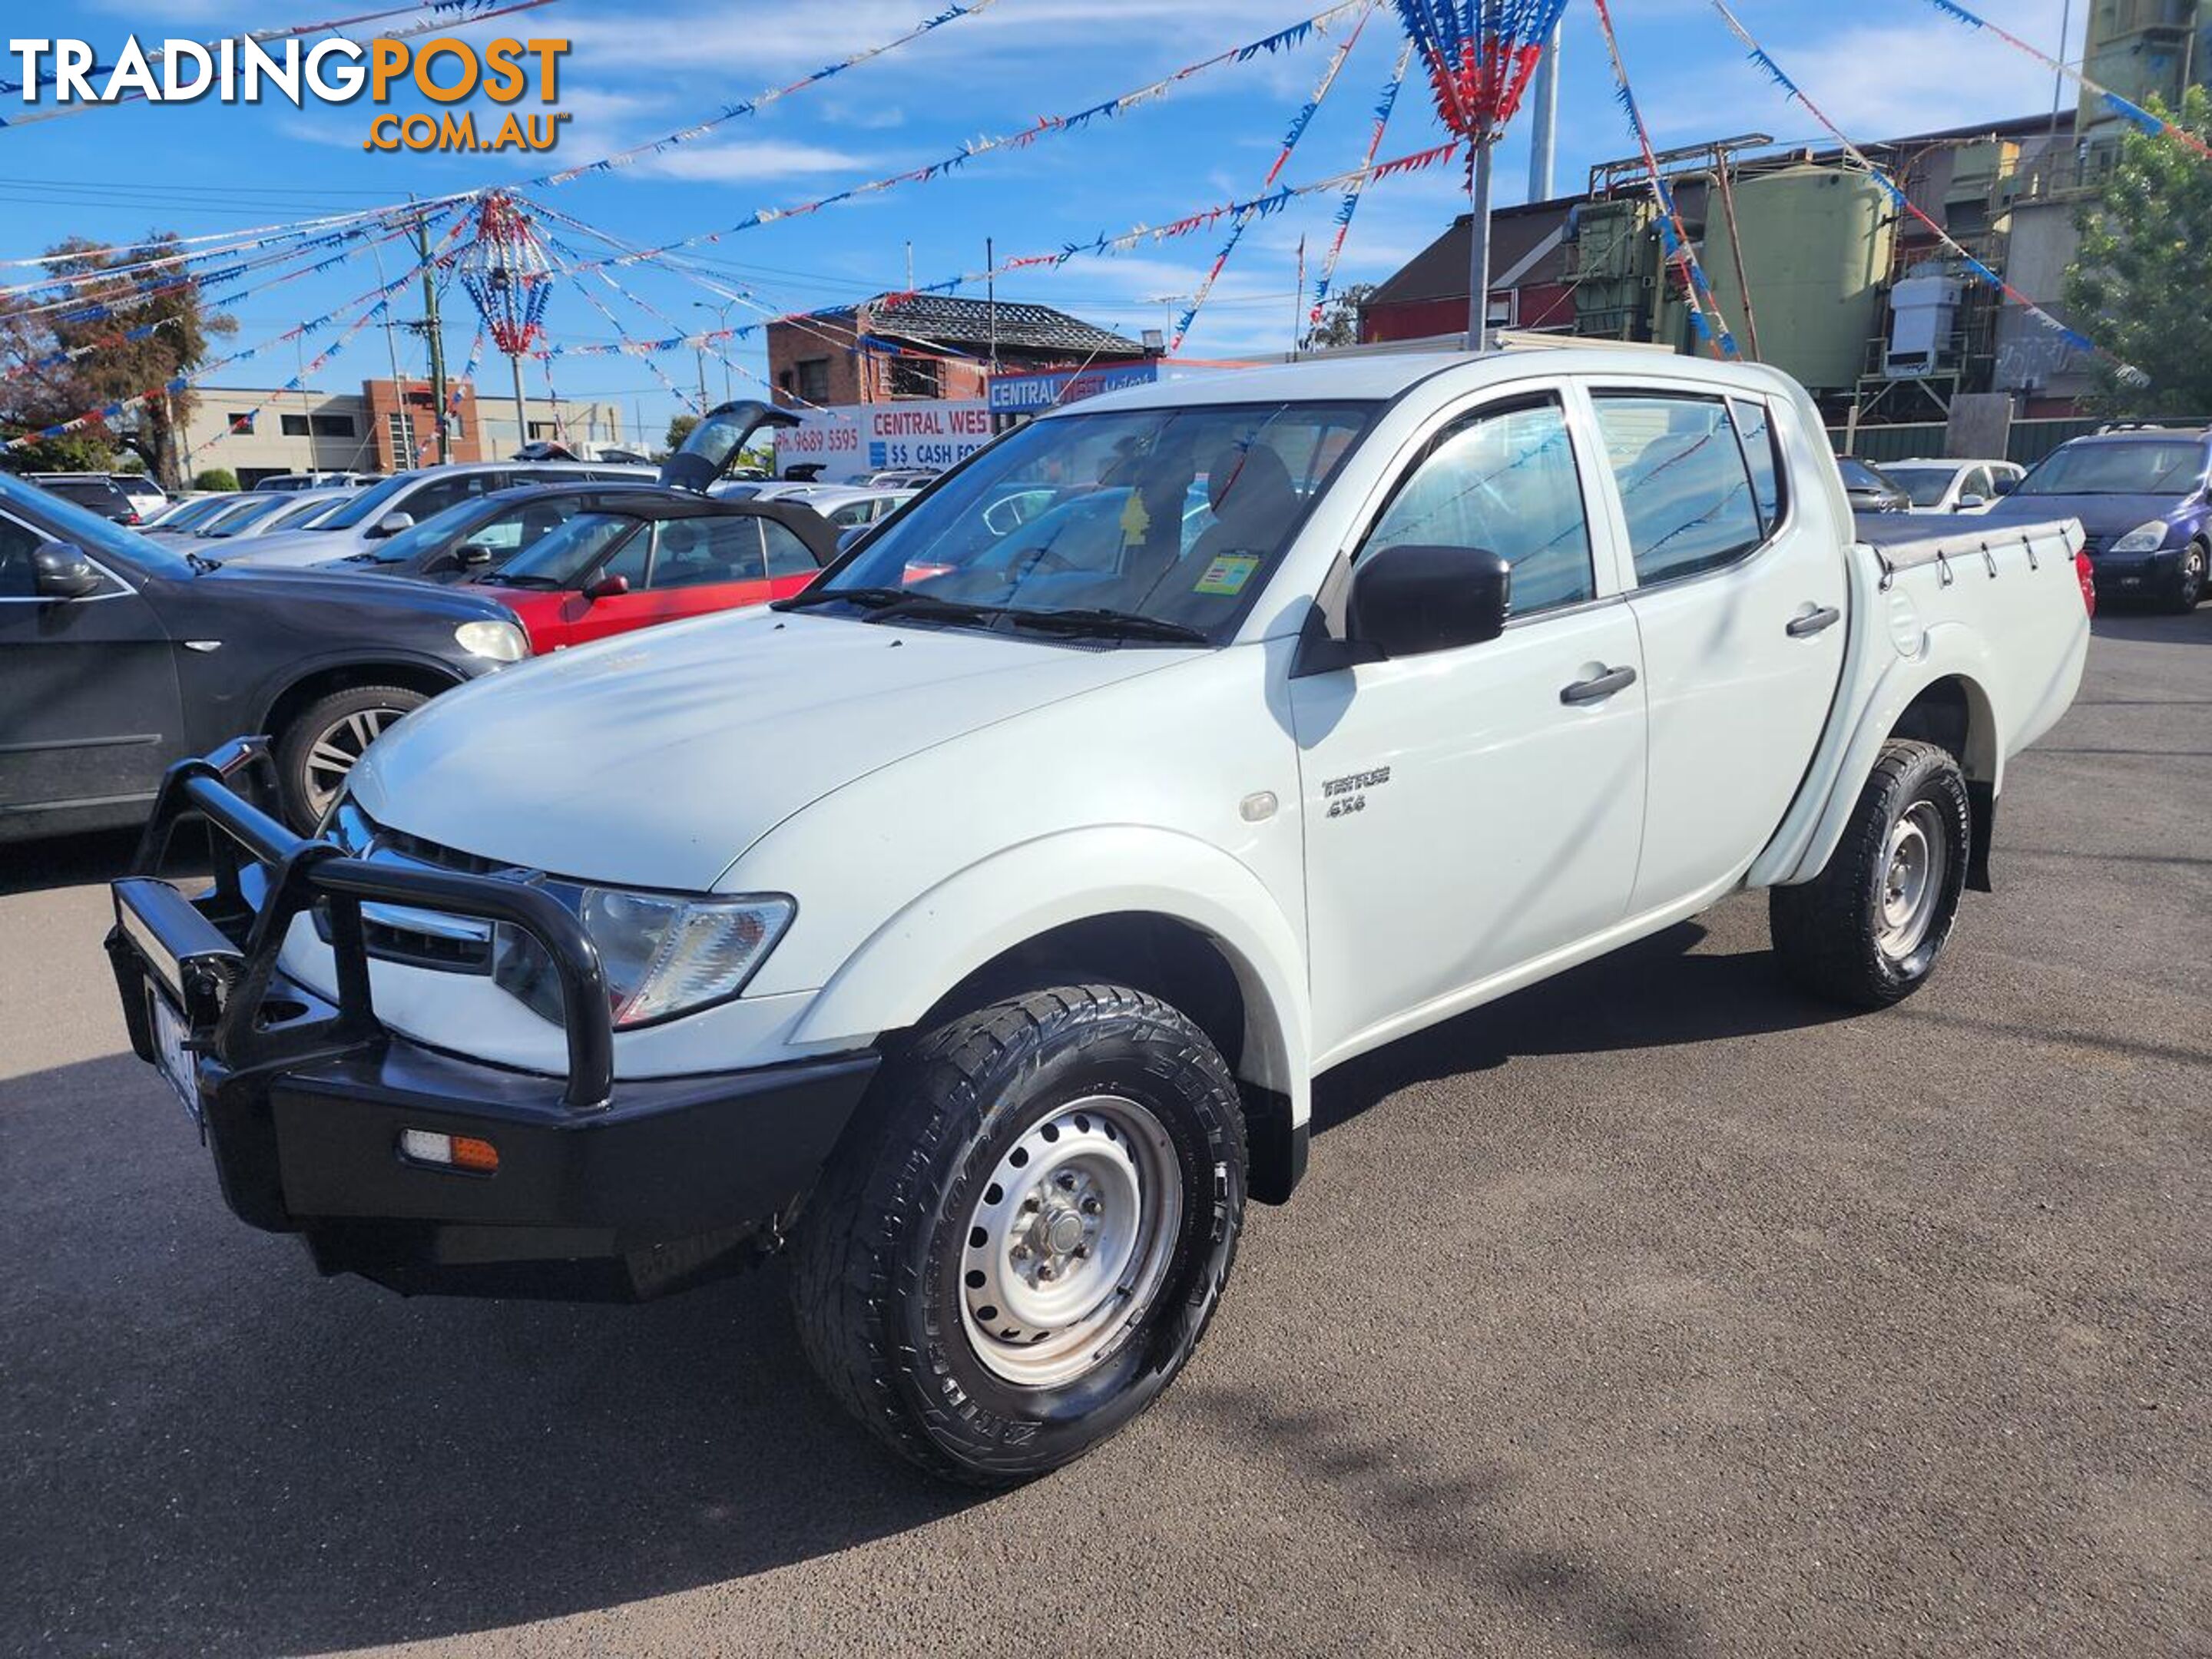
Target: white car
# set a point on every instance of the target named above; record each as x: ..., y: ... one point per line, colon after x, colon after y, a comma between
x: 976, y: 923
x: 1953, y: 486
x: 148, y: 497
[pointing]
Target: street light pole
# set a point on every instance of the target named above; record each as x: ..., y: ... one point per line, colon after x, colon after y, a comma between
x: 721, y: 323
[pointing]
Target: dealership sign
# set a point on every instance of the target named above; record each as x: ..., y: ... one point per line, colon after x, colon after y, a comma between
x: 1033, y: 394
x: 854, y: 439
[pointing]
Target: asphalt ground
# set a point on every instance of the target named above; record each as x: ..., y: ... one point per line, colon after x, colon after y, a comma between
x: 1655, y: 1310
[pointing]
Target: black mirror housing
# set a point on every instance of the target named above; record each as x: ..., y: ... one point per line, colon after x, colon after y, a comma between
x: 1419, y: 598
x: 62, y: 571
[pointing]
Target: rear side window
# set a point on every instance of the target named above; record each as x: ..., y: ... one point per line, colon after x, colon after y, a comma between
x: 436, y: 493
x: 1763, y: 455
x: 1685, y: 487
x: 787, y: 556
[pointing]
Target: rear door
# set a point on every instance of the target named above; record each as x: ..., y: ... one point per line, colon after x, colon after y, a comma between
x: 89, y: 708
x: 1740, y: 595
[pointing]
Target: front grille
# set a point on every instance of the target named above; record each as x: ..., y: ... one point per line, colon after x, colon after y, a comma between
x: 402, y: 933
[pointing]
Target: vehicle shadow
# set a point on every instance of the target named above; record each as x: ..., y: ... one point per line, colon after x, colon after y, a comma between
x: 1650, y: 995
x: 2119, y: 620
x: 208, y: 1450
x: 34, y: 866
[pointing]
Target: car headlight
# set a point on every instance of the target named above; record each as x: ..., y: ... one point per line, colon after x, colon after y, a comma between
x: 663, y: 954
x: 502, y: 642
x: 2143, y: 539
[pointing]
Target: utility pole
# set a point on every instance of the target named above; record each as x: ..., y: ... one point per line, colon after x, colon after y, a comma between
x: 1544, y: 121
x: 434, y: 329
x: 991, y: 289
x: 521, y: 406
x: 1299, y: 299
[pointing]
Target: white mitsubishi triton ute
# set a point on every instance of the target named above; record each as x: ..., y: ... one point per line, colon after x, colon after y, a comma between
x: 973, y: 926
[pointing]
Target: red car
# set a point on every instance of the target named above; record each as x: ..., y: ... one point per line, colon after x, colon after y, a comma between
x: 634, y: 557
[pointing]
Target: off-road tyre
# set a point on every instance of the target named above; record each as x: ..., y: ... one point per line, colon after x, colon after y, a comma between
x: 1829, y: 932
x: 884, y: 1252
x: 302, y: 776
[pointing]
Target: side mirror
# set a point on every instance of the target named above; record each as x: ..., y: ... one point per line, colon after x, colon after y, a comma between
x: 392, y: 523
x: 474, y: 553
x: 1970, y: 503
x: 2005, y: 485
x: 608, y: 587
x: 62, y: 571
x: 1414, y: 598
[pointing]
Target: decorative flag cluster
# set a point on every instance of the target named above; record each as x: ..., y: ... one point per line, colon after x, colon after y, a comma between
x: 1904, y: 204
x: 507, y: 274
x: 1479, y: 55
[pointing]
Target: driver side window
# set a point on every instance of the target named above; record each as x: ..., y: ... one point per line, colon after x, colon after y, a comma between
x: 1502, y: 480
x: 19, y: 573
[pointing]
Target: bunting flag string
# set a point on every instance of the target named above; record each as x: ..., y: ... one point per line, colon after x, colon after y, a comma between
x: 760, y: 101
x: 1480, y: 55
x: 2134, y: 114
x: 646, y: 351
x: 1283, y: 40
x: 1891, y: 188
x: 1350, y: 205
x: 1299, y: 122
x: 1706, y: 320
x: 445, y: 14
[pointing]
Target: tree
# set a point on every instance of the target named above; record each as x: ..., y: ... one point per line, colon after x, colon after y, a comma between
x: 109, y: 339
x: 1340, y: 324
x: 215, y: 477
x: 680, y: 429
x: 2141, y: 283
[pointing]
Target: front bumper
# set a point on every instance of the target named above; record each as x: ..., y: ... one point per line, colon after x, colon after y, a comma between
x: 601, y: 1192
x: 2136, y: 573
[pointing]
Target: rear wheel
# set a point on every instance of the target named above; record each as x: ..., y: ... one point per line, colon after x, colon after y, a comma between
x: 317, y: 751
x: 1868, y: 929
x: 1027, y: 1239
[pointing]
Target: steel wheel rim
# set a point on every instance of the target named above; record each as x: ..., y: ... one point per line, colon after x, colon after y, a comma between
x: 332, y: 756
x: 1913, y: 869
x: 1069, y: 1240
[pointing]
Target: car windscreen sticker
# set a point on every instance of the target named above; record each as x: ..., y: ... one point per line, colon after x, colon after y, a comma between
x: 1228, y: 573
x: 1136, y: 523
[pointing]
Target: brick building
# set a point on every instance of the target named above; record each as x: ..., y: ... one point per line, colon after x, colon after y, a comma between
x: 928, y: 345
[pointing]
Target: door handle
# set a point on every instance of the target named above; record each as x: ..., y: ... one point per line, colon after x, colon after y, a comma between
x: 1599, y: 687
x: 1813, y: 622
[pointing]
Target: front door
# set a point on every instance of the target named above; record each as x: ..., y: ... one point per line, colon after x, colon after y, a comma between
x: 89, y: 708
x: 694, y: 566
x: 1471, y: 811
x: 1740, y: 599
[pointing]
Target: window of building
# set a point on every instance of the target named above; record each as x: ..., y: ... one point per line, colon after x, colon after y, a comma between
x: 241, y: 420
x: 401, y: 427
x: 544, y: 429
x: 331, y: 426
x: 1684, y: 484
x: 916, y: 377
x: 294, y: 426
x: 813, y: 378
x: 1504, y: 480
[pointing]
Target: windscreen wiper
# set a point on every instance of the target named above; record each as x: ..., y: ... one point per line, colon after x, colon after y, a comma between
x: 868, y: 598
x: 1111, y: 624
x: 888, y: 604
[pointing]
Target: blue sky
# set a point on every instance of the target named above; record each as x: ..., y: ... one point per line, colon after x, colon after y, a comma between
x: 1880, y: 67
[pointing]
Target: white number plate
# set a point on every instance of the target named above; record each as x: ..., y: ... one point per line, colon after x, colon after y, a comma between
x: 173, y: 1058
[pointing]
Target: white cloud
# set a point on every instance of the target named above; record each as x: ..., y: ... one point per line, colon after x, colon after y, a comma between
x: 750, y: 160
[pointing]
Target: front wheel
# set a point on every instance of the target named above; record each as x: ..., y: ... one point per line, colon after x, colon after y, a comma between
x: 317, y: 751
x: 1868, y: 929
x: 1027, y: 1238
x: 2188, y: 586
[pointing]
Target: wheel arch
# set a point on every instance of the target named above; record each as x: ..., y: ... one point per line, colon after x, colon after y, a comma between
x: 1152, y: 909
x: 306, y: 684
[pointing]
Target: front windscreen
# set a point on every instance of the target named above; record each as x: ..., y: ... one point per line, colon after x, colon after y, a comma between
x: 369, y: 506
x: 433, y: 532
x: 562, y: 557
x: 2137, y: 466
x: 249, y: 512
x: 1173, y: 517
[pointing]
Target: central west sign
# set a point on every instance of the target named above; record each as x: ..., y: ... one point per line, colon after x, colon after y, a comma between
x: 854, y: 439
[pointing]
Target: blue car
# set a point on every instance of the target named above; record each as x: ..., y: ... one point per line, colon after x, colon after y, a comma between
x: 2141, y: 494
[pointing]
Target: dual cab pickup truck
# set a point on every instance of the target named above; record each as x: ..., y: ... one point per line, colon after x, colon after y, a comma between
x: 974, y: 923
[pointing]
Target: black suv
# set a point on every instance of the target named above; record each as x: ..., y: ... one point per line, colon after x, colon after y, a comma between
x: 94, y: 490
x: 118, y: 655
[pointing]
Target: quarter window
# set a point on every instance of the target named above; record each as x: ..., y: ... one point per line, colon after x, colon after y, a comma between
x: 787, y: 556
x: 1502, y: 480
x: 1685, y: 485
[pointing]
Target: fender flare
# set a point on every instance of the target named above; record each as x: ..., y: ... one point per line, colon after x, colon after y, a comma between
x: 901, y: 968
x: 1949, y: 651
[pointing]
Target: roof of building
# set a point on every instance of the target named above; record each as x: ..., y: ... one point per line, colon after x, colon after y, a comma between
x: 1439, y: 271
x: 947, y: 319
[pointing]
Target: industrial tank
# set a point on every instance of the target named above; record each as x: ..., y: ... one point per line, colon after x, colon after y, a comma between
x: 1816, y: 248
